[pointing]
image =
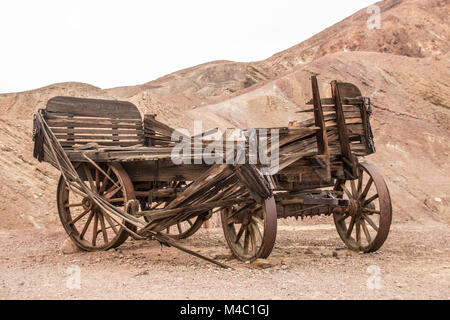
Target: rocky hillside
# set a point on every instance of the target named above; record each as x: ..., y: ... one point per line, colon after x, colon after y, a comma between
x: 413, y: 28
x: 404, y: 67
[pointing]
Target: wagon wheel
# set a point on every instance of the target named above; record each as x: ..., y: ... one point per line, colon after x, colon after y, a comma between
x: 364, y: 225
x: 183, y: 229
x: 86, y: 224
x: 250, y: 229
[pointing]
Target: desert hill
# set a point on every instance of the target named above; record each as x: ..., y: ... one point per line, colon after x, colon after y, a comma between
x: 413, y: 28
x: 404, y: 67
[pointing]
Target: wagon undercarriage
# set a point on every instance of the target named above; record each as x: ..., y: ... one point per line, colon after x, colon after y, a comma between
x: 120, y: 175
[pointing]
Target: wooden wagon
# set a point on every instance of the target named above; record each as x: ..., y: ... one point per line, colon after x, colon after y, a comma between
x: 119, y: 176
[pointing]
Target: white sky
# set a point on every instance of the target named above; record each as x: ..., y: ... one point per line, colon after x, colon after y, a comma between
x: 117, y: 43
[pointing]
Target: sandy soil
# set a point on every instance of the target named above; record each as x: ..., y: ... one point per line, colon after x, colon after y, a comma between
x: 308, y: 262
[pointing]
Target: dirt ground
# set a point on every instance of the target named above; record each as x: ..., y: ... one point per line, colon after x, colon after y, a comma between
x: 309, y: 262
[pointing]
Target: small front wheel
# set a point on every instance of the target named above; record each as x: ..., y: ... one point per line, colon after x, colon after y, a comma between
x: 250, y: 229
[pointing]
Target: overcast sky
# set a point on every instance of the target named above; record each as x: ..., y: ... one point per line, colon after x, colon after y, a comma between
x: 117, y: 43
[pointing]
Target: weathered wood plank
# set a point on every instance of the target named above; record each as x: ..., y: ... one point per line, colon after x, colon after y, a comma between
x: 97, y: 137
x: 93, y: 108
x: 322, y: 140
x: 343, y: 133
x: 98, y: 131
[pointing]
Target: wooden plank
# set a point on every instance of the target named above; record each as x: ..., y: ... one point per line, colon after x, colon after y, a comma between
x: 93, y: 121
x: 105, y: 143
x: 64, y: 124
x: 93, y: 108
x: 98, y: 131
x: 329, y: 102
x: 93, y: 137
x: 321, y: 135
x: 343, y: 134
x: 348, y: 90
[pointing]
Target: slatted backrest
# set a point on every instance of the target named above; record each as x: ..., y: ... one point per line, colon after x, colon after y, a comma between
x: 78, y: 121
x: 348, y: 90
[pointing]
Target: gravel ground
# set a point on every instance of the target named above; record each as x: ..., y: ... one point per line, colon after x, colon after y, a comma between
x: 308, y: 262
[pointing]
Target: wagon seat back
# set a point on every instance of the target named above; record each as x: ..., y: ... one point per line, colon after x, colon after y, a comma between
x: 80, y: 121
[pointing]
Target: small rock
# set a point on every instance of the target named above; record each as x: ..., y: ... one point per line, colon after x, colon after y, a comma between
x: 68, y: 247
x: 309, y: 251
x: 262, y: 264
x: 335, y: 255
x: 142, y: 273
x: 283, y: 287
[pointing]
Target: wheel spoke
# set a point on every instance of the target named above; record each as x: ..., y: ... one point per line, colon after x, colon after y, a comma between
x: 110, y: 194
x: 354, y: 192
x: 88, y: 173
x: 360, y: 180
x: 371, y: 210
x: 239, y: 234
x: 116, y: 200
x: 97, y: 180
x: 246, y: 240
x: 190, y: 222
x: 370, y: 222
x: 86, y: 226
x: 102, y: 224
x: 179, y: 228
x: 111, y: 223
x: 366, y: 189
x: 366, y: 231
x: 350, y: 227
x: 79, y: 217
x: 258, y: 220
x: 358, y: 233
x: 94, y: 230
x: 258, y: 233
x: 349, y: 195
x: 73, y: 205
x: 232, y: 219
x: 366, y: 202
x: 252, y: 239
x: 104, y: 181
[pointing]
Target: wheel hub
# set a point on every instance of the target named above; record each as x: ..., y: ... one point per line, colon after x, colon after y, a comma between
x: 354, y: 208
x: 87, y: 203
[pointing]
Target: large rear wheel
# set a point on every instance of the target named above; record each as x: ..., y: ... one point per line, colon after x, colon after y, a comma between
x: 364, y: 225
x: 89, y: 227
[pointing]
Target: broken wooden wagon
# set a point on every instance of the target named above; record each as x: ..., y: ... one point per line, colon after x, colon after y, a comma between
x: 119, y: 176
